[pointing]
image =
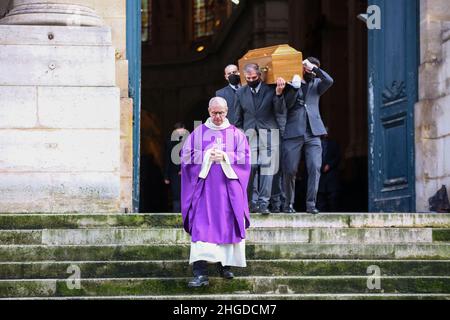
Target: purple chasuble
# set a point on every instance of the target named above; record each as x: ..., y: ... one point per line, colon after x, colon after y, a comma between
x: 215, y: 209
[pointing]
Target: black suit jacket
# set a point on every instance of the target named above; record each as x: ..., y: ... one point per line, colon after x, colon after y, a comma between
x: 229, y: 95
x: 296, y: 113
x: 256, y: 116
x: 171, y: 169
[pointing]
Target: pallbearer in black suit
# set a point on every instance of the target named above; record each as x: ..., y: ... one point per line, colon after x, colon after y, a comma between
x: 329, y: 185
x: 256, y: 115
x: 304, y: 127
x: 232, y: 75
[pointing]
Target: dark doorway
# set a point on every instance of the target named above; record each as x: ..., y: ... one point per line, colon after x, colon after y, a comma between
x: 187, y: 44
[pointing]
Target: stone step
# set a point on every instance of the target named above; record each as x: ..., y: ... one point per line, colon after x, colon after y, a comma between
x: 266, y: 235
x: 239, y: 285
x: 223, y: 297
x: 181, y: 268
x: 29, y: 253
x: 172, y: 220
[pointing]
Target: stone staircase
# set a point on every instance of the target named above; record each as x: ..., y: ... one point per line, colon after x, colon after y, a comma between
x: 301, y: 256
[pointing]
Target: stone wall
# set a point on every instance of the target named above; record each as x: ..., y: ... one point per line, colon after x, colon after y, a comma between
x: 432, y: 112
x: 59, y: 120
x: 63, y: 133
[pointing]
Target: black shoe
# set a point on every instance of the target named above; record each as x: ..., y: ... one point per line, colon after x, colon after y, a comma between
x: 226, y: 273
x: 275, y: 210
x: 254, y: 208
x: 313, y: 211
x: 264, y: 211
x: 198, y: 281
x: 289, y: 209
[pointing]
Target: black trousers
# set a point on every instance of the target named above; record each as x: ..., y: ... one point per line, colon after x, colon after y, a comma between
x: 200, y: 268
x: 175, y: 186
x: 292, y: 151
x: 265, y: 155
x: 328, y: 201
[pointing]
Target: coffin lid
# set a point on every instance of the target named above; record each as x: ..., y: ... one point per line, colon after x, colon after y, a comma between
x: 274, y: 61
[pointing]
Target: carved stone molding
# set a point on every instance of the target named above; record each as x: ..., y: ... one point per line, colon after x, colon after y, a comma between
x: 35, y: 12
x: 396, y: 92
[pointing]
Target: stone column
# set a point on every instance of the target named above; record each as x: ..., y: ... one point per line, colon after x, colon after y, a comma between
x: 432, y: 112
x: 51, y: 13
x: 59, y: 110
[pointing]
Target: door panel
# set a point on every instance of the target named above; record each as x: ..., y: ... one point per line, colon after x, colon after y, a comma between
x: 134, y: 64
x: 393, y: 67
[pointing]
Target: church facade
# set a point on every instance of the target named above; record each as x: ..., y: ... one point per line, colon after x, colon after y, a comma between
x: 87, y: 87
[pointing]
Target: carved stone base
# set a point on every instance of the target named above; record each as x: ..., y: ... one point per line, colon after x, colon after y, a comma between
x: 52, y: 14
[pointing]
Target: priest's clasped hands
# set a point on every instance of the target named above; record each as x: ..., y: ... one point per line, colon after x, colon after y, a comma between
x: 217, y: 155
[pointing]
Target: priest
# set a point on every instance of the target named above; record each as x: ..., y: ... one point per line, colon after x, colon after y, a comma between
x: 215, y: 169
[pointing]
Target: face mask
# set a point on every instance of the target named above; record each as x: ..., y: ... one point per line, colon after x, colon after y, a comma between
x: 253, y: 84
x: 296, y: 82
x: 234, y: 79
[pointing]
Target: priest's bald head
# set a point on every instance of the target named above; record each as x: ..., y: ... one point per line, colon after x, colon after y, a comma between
x: 218, y: 110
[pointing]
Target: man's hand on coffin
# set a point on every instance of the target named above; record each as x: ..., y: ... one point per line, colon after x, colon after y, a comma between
x: 281, y: 84
x: 308, y: 65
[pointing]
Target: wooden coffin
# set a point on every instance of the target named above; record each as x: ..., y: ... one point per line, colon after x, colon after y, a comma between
x: 276, y: 61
